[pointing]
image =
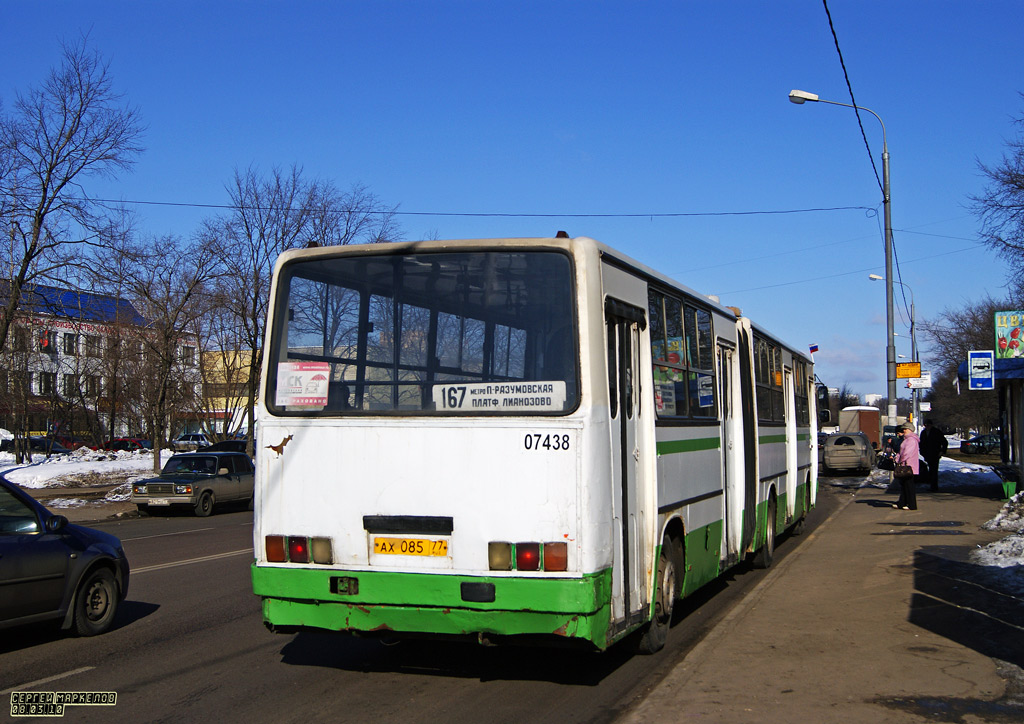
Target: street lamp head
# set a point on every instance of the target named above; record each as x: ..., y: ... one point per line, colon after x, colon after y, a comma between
x: 876, y: 278
x: 799, y: 97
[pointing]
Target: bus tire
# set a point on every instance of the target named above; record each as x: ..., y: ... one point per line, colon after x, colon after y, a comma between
x: 670, y: 569
x: 204, y: 506
x: 765, y: 554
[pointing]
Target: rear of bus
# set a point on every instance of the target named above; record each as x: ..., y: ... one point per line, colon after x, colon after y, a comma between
x: 420, y: 430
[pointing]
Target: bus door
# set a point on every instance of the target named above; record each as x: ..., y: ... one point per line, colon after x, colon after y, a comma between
x: 792, y: 464
x: 623, y: 324
x: 732, y: 449
x: 748, y: 413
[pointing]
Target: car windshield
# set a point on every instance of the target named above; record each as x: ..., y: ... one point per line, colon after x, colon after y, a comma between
x: 201, y: 464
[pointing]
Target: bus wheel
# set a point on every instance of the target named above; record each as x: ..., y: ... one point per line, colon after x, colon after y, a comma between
x: 669, y: 569
x: 204, y: 506
x: 765, y: 554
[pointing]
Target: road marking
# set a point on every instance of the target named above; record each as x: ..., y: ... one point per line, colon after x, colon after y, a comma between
x: 47, y: 680
x: 162, y: 535
x: 173, y: 564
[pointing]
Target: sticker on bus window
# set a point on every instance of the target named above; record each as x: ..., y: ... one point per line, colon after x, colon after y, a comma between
x: 302, y: 384
x: 500, y: 396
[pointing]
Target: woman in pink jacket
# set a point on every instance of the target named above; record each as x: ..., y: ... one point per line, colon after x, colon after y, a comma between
x: 909, y: 454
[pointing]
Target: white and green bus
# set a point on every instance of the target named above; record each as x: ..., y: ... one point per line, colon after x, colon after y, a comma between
x: 515, y: 440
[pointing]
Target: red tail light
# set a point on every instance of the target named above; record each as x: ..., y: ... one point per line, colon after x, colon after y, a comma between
x: 528, y: 556
x: 298, y: 549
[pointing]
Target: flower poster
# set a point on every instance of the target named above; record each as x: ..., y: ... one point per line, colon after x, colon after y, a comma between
x: 1009, y: 335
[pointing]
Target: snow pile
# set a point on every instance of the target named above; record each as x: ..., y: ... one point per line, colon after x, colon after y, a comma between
x: 44, y: 472
x: 952, y: 474
x: 1009, y: 552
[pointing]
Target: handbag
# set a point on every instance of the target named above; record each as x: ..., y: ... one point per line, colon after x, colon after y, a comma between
x: 903, y: 471
x: 885, y: 463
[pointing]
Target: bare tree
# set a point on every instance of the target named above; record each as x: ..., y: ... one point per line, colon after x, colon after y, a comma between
x: 1000, y: 208
x: 67, y: 130
x: 271, y: 214
x: 168, y: 286
x: 949, y: 338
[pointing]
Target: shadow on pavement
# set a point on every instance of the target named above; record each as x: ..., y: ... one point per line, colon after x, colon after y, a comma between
x: 975, y: 606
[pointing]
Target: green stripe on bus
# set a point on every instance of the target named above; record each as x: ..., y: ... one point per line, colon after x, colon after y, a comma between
x: 766, y: 439
x: 671, y: 447
x: 432, y: 603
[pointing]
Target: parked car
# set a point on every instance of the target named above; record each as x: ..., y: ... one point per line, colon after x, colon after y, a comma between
x: 225, y: 446
x: 69, y: 441
x: 35, y: 445
x: 190, y: 441
x: 52, y: 569
x: 127, y: 443
x: 197, y: 480
x: 980, y: 445
x: 848, y: 451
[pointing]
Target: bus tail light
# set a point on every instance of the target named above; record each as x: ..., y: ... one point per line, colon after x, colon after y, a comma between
x: 298, y: 549
x: 499, y: 556
x: 275, y: 549
x: 528, y: 556
x: 321, y: 550
x: 556, y: 556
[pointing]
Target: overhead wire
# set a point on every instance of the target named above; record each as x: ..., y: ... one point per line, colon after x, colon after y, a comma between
x: 849, y: 87
x: 523, y: 215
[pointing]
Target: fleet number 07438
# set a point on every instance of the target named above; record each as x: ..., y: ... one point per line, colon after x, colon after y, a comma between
x: 546, y: 441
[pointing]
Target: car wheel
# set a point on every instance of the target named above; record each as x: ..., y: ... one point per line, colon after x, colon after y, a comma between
x: 204, y: 506
x: 669, y: 569
x: 96, y: 603
x: 143, y: 510
x: 766, y: 553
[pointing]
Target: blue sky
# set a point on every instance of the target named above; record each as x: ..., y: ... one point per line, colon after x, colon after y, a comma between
x: 577, y: 108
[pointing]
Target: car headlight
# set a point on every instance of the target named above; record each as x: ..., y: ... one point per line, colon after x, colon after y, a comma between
x: 139, y: 489
x: 183, y: 489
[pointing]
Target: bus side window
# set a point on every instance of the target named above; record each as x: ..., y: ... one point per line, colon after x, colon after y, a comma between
x: 338, y: 396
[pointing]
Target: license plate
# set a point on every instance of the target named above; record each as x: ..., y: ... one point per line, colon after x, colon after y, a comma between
x: 410, y: 546
x: 159, y: 501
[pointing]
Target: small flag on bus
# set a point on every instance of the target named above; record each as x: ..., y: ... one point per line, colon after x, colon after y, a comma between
x: 813, y: 348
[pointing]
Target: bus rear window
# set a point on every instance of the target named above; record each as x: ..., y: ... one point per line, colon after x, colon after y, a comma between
x: 436, y: 333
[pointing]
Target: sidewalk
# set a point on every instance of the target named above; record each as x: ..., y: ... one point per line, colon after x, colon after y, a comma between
x: 876, y: 616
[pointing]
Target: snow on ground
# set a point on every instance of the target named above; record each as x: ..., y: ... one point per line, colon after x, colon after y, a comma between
x: 83, y: 467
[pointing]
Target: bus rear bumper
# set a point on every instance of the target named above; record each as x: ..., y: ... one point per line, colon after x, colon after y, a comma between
x: 413, y: 604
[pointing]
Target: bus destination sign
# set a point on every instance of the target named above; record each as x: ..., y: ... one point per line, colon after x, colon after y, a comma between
x: 517, y: 396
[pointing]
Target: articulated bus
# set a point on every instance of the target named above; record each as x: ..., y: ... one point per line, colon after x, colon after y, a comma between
x: 515, y: 440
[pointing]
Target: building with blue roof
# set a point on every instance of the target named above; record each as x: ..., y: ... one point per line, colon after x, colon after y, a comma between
x: 73, y: 362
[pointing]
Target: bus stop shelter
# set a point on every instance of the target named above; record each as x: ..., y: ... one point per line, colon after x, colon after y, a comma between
x: 1009, y: 383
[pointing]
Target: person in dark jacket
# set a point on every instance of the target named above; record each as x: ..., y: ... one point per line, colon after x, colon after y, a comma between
x: 933, y: 447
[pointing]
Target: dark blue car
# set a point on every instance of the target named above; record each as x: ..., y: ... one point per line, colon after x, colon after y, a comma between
x: 53, y: 570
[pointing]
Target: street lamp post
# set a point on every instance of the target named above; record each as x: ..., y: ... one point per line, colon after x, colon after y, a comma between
x: 916, y: 393
x: 799, y: 97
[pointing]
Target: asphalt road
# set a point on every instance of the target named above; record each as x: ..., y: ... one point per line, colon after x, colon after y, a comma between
x: 189, y: 644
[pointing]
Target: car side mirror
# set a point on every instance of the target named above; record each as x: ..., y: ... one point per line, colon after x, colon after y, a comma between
x: 55, y: 523
x: 824, y: 416
x: 222, y: 471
